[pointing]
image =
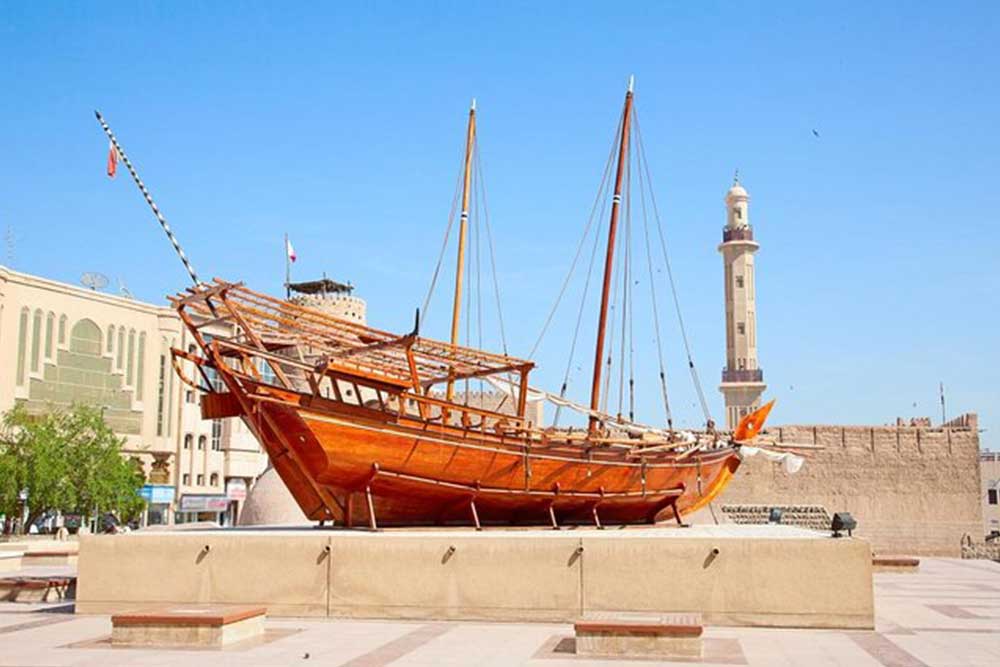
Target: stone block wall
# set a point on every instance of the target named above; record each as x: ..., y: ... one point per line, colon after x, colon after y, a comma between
x: 913, y: 490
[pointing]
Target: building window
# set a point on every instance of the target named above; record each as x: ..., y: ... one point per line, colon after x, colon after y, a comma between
x: 62, y: 329
x: 201, y: 480
x: 159, y: 393
x: 50, y: 325
x: 738, y: 212
x: 130, y: 362
x: 991, y: 496
x: 188, y: 440
x: 120, y: 361
x: 36, y: 340
x: 739, y: 281
x: 741, y: 327
x: 189, y: 396
x: 214, y: 479
x: 216, y: 435
x: 186, y: 479
x: 201, y: 442
x: 22, y: 343
x: 111, y: 338
x: 139, y: 366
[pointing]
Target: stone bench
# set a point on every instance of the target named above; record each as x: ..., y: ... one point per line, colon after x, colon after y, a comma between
x: 669, y: 635
x: 37, y: 589
x: 188, y: 625
x: 45, y: 558
x: 10, y: 561
x: 895, y: 564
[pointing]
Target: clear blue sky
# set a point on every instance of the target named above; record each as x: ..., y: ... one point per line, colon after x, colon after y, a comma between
x: 343, y: 125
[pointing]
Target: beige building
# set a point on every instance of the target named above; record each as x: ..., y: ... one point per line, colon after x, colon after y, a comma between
x: 61, y: 344
x: 742, y: 378
x: 989, y: 469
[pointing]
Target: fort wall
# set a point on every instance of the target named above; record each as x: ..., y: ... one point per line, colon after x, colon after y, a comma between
x: 912, y: 489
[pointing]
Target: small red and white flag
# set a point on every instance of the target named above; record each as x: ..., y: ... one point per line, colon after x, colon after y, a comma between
x: 290, y: 250
x: 112, y: 160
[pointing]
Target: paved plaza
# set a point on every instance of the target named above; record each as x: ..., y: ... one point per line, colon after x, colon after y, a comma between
x: 946, y: 614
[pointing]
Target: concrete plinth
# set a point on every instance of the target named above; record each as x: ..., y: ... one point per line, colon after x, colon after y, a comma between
x: 732, y: 575
x: 190, y: 626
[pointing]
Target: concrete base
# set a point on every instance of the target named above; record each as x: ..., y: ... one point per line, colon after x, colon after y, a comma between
x: 202, y: 626
x: 772, y: 576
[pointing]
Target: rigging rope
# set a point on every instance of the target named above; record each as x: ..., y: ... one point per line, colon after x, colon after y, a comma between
x: 656, y: 310
x: 673, y: 287
x: 444, y: 247
x: 481, y: 184
x: 579, y: 247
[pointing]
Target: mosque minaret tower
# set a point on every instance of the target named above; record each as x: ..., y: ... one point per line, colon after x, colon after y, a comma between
x: 742, y: 378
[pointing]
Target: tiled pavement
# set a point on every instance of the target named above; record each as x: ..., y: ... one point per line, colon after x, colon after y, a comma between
x: 947, y: 614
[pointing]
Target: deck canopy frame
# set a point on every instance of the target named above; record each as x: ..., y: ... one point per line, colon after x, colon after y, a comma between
x: 266, y: 326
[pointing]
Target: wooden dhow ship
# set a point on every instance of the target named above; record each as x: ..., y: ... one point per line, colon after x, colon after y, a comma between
x: 365, y: 428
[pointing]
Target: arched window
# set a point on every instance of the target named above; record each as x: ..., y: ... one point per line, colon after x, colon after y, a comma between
x: 36, y: 340
x: 85, y: 338
x: 188, y: 441
x: 214, y: 479
x: 50, y: 325
x: 111, y: 338
x: 22, y: 343
x: 139, y: 366
x: 201, y: 442
x: 120, y: 360
x: 62, y: 329
x: 130, y: 362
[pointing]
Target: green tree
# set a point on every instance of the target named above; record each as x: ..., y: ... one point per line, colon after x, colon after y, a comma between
x: 67, y: 461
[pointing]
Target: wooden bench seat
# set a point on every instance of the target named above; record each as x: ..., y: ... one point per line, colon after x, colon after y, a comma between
x: 622, y: 634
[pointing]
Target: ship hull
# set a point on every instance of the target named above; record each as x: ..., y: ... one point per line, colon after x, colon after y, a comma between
x: 381, y: 472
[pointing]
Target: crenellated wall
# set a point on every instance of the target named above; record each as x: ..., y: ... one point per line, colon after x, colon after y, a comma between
x: 913, y: 490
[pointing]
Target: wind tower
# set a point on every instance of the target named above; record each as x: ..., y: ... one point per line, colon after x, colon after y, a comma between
x: 742, y: 378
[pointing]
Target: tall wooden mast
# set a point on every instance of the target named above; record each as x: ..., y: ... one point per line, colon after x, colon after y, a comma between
x: 456, y: 312
x: 595, y: 390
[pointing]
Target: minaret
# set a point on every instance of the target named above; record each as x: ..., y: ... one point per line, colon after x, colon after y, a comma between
x: 742, y: 378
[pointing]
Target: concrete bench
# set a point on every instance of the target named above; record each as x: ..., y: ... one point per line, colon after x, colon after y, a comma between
x: 669, y: 635
x: 44, y: 558
x: 895, y: 564
x: 37, y: 589
x: 10, y: 561
x: 188, y: 625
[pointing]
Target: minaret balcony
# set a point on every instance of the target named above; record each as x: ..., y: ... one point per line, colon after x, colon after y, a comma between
x: 742, y: 375
x: 737, y: 234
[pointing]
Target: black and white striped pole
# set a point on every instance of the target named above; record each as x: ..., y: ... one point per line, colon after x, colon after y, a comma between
x: 149, y: 199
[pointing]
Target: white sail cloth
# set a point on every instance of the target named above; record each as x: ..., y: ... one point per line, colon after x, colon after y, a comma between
x: 791, y: 462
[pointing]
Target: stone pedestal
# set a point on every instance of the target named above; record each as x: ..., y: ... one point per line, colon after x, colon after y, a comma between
x: 188, y: 625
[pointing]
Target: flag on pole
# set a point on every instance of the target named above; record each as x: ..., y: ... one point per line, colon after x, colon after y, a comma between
x: 290, y: 250
x: 112, y: 160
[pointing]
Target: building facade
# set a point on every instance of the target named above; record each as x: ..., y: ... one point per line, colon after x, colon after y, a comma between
x: 742, y: 378
x: 61, y: 344
x: 989, y: 469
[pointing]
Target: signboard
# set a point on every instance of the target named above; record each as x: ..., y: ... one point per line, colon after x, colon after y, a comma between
x: 156, y: 494
x: 193, y: 503
x: 236, y: 489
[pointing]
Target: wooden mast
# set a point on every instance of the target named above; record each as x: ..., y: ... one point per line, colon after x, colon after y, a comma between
x: 463, y: 224
x: 595, y: 391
